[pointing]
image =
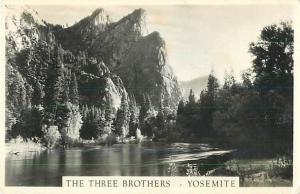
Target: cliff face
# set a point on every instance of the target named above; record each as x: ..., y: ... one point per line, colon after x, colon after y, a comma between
x: 145, y: 70
x: 138, y: 58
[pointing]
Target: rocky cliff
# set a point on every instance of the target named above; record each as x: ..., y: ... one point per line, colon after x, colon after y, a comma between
x: 138, y: 58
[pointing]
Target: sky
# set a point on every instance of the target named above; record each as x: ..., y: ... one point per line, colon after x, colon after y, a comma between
x: 199, y: 38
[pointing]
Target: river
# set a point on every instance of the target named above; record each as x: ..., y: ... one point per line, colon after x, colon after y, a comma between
x: 144, y: 159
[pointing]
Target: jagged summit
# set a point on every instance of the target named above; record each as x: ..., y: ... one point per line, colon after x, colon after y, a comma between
x: 97, y: 12
x: 155, y: 37
x: 100, y: 17
x: 136, y: 16
x: 138, y: 13
x: 98, y: 20
x: 135, y: 21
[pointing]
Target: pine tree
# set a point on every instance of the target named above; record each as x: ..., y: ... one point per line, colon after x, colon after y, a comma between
x: 65, y: 90
x: 122, y: 117
x: 37, y: 94
x: 74, y: 96
x: 53, y: 84
x: 160, y: 121
x: 192, y: 99
x: 133, y: 123
x: 180, y: 108
x: 212, y: 88
x: 143, y: 111
x: 191, y: 104
x: 210, y: 103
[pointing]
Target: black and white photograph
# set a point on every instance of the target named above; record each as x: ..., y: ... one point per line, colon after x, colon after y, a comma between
x: 183, y: 90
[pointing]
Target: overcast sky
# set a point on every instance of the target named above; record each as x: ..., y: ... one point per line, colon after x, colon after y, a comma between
x: 199, y: 38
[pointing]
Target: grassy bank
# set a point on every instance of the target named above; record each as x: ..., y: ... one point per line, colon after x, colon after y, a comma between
x: 259, y: 172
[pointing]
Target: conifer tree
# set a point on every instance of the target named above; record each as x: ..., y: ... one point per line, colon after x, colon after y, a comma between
x: 133, y: 123
x: 53, y: 83
x: 160, y: 120
x: 74, y: 96
x: 122, y: 117
x: 37, y: 94
x: 192, y: 99
x: 180, y: 108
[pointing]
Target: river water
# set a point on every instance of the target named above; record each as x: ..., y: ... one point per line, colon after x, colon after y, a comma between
x: 144, y: 159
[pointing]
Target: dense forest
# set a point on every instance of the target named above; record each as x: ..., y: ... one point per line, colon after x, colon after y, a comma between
x: 255, y: 115
x: 60, y: 97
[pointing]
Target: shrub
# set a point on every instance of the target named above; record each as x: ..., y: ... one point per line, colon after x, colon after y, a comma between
x: 51, y: 136
x: 107, y: 139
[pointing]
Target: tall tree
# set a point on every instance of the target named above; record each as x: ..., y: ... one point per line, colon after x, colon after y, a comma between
x: 192, y: 99
x: 54, y: 83
x: 273, y: 58
x: 37, y: 94
x: 209, y: 104
x: 143, y: 111
x: 212, y: 88
x: 180, y: 108
x: 133, y: 120
x: 273, y: 67
x: 160, y: 121
x: 74, y: 96
x: 122, y: 117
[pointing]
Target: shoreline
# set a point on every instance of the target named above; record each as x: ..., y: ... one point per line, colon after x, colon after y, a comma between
x: 259, y: 172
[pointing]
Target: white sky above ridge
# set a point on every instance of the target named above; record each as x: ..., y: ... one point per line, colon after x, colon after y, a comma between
x: 199, y: 38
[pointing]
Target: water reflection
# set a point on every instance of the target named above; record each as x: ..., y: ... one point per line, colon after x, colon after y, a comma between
x: 147, y: 159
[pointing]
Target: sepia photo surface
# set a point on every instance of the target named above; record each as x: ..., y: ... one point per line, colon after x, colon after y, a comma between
x: 177, y: 90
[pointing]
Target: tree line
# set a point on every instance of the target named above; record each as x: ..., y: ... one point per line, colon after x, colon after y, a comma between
x: 257, y: 113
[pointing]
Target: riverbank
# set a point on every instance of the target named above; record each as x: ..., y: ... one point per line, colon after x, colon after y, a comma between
x: 258, y: 172
x: 19, y: 147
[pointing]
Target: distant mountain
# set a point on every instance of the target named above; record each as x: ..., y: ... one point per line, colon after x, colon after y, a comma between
x: 197, y: 85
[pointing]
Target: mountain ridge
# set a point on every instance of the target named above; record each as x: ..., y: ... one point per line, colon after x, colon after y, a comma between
x: 86, y: 64
x: 197, y: 85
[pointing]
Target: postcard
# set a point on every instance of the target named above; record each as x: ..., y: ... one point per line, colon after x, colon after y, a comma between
x: 149, y: 97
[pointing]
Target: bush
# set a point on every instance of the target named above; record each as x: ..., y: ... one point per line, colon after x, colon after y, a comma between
x: 138, y: 135
x: 51, y: 136
x: 28, y: 124
x: 107, y: 139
